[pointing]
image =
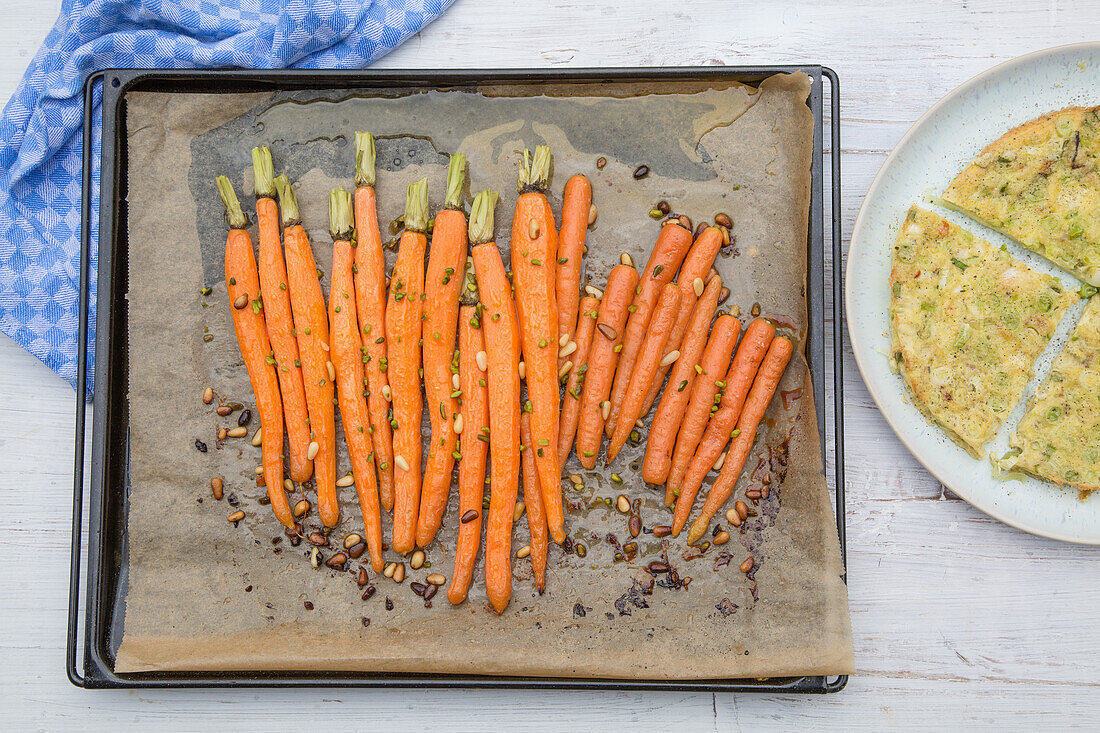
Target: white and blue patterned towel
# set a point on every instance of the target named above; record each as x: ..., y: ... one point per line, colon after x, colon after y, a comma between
x: 40, y: 130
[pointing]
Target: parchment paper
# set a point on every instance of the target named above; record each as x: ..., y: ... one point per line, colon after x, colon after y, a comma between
x: 206, y: 595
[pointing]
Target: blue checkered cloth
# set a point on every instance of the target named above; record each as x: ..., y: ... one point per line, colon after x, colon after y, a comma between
x: 40, y: 130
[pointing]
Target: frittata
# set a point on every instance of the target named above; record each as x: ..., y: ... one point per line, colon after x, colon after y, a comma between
x: 1059, y: 437
x: 1040, y: 185
x: 968, y: 322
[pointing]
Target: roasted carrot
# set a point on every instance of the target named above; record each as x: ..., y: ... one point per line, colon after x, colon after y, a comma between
x: 532, y: 498
x: 370, y: 305
x: 571, y: 403
x: 760, y: 395
x: 307, y: 304
x: 534, y: 261
x: 442, y: 285
x: 474, y: 434
x: 669, y: 251
x: 705, y: 396
x: 246, y: 307
x: 347, y: 359
x: 404, y: 311
x: 500, y: 324
x: 670, y: 410
x: 739, y: 378
x: 603, y: 355
x: 575, y: 205
x: 649, y: 358
x: 277, y: 316
x: 692, y: 281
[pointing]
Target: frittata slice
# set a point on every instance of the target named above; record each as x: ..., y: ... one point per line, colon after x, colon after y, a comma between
x: 1040, y: 185
x: 1059, y: 437
x: 968, y: 322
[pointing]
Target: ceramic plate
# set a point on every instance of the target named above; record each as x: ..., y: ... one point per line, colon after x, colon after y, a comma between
x: 937, y: 147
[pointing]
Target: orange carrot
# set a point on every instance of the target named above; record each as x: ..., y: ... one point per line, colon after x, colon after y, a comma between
x: 499, y: 322
x: 763, y: 389
x: 277, y: 316
x: 603, y: 355
x: 442, y: 285
x: 704, y: 397
x: 692, y: 281
x: 534, y: 261
x: 670, y: 410
x: 403, y: 331
x: 571, y: 404
x: 347, y: 359
x: 649, y: 358
x: 307, y: 304
x: 575, y: 205
x: 669, y: 251
x: 248, y: 321
x: 739, y: 378
x: 474, y: 432
x: 370, y: 305
x: 532, y: 498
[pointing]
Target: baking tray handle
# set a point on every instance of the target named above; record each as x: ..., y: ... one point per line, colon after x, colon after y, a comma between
x: 72, y: 670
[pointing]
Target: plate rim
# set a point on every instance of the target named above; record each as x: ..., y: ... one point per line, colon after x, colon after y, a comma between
x: 877, y: 183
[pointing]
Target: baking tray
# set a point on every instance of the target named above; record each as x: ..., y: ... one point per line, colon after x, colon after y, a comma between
x: 108, y: 472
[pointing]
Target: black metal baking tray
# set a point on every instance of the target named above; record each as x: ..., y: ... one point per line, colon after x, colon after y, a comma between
x: 108, y: 477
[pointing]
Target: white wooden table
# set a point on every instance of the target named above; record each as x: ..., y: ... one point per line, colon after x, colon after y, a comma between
x: 957, y: 619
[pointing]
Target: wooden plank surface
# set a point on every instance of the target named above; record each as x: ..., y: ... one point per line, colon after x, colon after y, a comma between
x: 958, y: 620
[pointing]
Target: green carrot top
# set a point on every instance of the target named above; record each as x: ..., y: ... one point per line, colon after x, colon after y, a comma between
x: 535, y: 175
x: 288, y: 202
x: 364, y: 159
x: 481, y: 217
x: 416, y: 206
x: 263, y: 172
x: 340, y: 224
x: 234, y: 217
x: 456, y: 180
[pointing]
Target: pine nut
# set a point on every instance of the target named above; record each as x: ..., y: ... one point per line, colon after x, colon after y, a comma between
x: 346, y: 480
x: 523, y: 370
x: 458, y: 424
x: 401, y: 462
x: 565, y: 368
x: 563, y: 339
x: 482, y: 360
x: 623, y: 504
x: 301, y: 507
x: 608, y: 332
x: 469, y: 515
x: 593, y: 212
x: 670, y: 357
x: 389, y: 570
x: 576, y: 479
x: 753, y: 494
x: 436, y: 579
x: 314, y: 449
x: 208, y: 395
x: 605, y: 409
x: 519, y: 510
x: 724, y: 295
x: 725, y: 236
x: 351, y: 541
x: 222, y: 432
x: 258, y: 470
x: 315, y: 557
x: 337, y: 561
x: 533, y: 228
x: 236, y: 516
x: 733, y: 518
x: 568, y: 349
x: 523, y: 551
x: 742, y: 510
x: 697, y: 285
x: 223, y: 410
x: 417, y: 560
x: 331, y: 371
x: 626, y: 259
x: 324, y: 346
x: 720, y: 462
x: 241, y: 301
x: 593, y: 291
x: 635, y: 525
x: 723, y: 220
x: 386, y: 392
x: 399, y: 573
x: 662, y: 530
x: 747, y: 565
x: 217, y: 486
x: 721, y: 538
x: 456, y: 383
x: 258, y: 436
x: 237, y: 432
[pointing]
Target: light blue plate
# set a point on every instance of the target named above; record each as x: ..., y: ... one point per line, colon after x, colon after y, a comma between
x: 938, y: 146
